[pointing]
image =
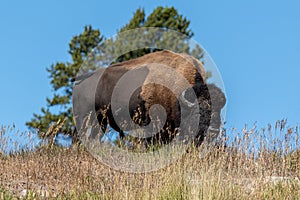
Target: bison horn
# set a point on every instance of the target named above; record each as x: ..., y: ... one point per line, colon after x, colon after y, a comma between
x: 186, y: 101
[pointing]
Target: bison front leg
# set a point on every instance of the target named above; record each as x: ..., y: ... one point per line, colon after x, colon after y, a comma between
x: 164, y: 136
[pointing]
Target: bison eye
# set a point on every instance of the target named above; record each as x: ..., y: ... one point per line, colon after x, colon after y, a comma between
x: 188, y: 97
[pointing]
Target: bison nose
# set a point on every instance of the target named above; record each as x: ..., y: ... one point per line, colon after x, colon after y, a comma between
x: 212, y: 133
x: 215, y: 124
x: 213, y: 129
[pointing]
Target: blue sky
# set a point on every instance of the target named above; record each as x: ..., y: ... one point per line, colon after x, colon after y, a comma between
x: 255, y: 45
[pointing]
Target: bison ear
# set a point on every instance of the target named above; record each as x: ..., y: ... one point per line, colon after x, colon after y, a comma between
x: 218, y: 98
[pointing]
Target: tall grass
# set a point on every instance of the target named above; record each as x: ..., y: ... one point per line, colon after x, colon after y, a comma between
x: 247, y: 164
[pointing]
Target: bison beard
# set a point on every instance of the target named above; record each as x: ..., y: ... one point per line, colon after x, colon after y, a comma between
x: 210, y: 98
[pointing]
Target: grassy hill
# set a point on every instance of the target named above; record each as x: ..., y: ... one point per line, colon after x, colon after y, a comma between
x: 268, y: 169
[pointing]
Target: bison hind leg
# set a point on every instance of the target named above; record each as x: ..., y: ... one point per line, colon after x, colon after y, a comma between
x: 99, y: 128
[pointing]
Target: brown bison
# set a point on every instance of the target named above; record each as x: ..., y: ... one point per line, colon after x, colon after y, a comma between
x: 160, y: 93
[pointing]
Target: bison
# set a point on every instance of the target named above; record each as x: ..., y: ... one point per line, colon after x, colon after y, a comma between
x: 162, y: 85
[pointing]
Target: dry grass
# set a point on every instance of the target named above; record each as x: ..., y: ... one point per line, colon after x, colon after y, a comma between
x: 267, y: 169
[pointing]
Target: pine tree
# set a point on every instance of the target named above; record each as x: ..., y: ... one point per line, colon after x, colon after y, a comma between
x: 59, y: 107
